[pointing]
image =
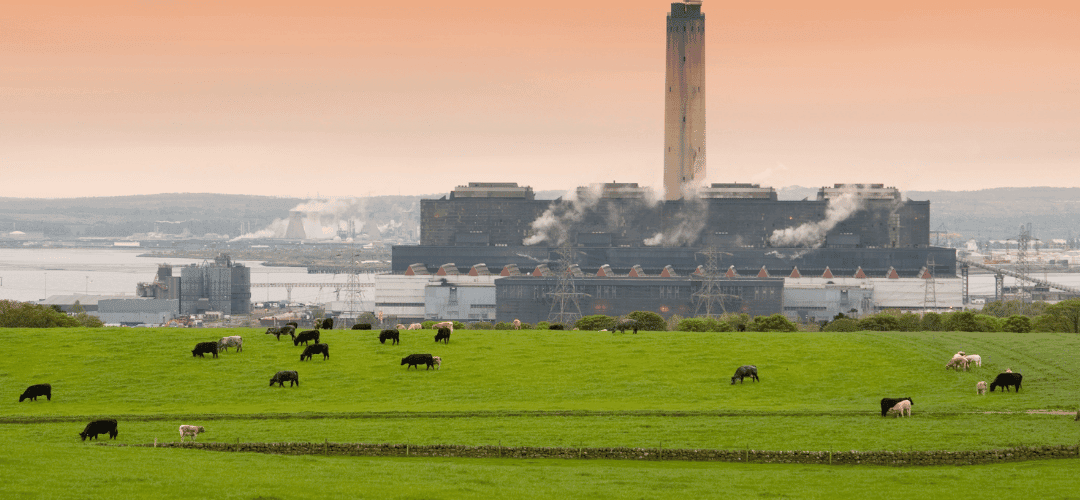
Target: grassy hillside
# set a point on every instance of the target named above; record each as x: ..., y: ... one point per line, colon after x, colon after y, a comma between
x: 817, y: 392
x: 151, y: 371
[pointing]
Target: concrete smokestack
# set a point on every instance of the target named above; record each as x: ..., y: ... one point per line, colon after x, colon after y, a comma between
x: 684, y: 110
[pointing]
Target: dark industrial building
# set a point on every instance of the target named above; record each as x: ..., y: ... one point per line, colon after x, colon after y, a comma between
x: 529, y: 299
x: 491, y: 223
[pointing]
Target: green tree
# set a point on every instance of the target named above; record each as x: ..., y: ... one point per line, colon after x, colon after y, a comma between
x: 881, y: 322
x: 931, y: 322
x: 1066, y: 314
x: 775, y: 323
x: 841, y: 325
x: 962, y: 321
x: 1017, y: 323
x: 738, y: 322
x: 649, y: 321
x: 596, y: 322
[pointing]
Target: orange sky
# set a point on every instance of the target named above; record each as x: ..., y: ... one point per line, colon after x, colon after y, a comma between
x: 299, y: 98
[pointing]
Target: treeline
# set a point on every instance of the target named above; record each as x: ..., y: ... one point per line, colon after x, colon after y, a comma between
x: 27, y: 315
x: 1011, y: 316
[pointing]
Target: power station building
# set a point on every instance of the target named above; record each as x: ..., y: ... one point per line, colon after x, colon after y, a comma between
x: 627, y: 251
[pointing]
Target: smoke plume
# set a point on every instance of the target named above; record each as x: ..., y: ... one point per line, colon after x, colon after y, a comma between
x: 689, y: 222
x: 812, y: 234
x: 554, y: 225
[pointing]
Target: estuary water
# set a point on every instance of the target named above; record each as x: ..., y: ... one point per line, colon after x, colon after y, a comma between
x: 34, y: 274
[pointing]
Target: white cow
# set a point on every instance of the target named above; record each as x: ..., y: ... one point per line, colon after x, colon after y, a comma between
x: 438, y: 362
x: 974, y: 358
x: 980, y: 388
x: 234, y: 341
x: 415, y: 326
x: 445, y: 324
x: 900, y: 408
x: 190, y: 430
x: 517, y: 324
x: 400, y: 327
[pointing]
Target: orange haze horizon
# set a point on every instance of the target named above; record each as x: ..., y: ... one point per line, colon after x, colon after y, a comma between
x: 291, y: 99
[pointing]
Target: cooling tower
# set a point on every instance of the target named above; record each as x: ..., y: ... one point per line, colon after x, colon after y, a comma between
x: 295, y: 230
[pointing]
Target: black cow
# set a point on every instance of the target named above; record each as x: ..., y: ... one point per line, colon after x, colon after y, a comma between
x: 627, y: 324
x: 362, y: 326
x: 36, y: 390
x: 418, y: 359
x: 285, y: 376
x: 293, y: 324
x: 556, y: 326
x: 443, y: 335
x: 203, y: 348
x: 1004, y: 380
x: 328, y: 324
x: 391, y: 335
x: 745, y: 371
x: 285, y: 330
x: 306, y: 336
x: 888, y: 403
x: 96, y: 427
x: 316, y: 349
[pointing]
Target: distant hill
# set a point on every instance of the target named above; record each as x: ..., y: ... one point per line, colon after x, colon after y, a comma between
x: 983, y: 214
x: 991, y: 213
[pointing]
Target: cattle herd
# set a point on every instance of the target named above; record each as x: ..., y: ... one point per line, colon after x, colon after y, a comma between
x: 889, y: 406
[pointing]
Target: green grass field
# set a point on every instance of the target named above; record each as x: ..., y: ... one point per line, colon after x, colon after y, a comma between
x: 818, y: 391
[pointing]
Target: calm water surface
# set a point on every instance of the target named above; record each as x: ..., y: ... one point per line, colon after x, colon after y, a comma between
x: 34, y: 274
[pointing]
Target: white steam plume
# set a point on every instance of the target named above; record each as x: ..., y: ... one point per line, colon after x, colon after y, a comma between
x: 689, y: 222
x: 555, y: 223
x: 812, y: 234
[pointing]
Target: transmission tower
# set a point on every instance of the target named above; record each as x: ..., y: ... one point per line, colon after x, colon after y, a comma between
x: 709, y: 299
x: 565, y: 299
x: 354, y: 292
x: 930, y: 295
x: 1023, y: 265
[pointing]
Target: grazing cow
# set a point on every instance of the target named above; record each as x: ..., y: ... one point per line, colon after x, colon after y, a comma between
x: 888, y: 403
x: 293, y: 324
x: 416, y: 326
x: 443, y: 335
x: 438, y: 362
x: 203, y: 348
x: 957, y: 362
x: 745, y: 371
x: 445, y: 324
x: 1008, y: 370
x: 234, y: 341
x: 974, y: 358
x: 36, y: 390
x: 284, y: 330
x: 556, y: 326
x: 400, y: 327
x: 362, y: 326
x: 980, y: 388
x: 107, y: 426
x: 190, y: 430
x: 285, y: 376
x: 418, y: 359
x: 306, y: 336
x: 393, y: 336
x: 516, y: 324
x: 626, y: 324
x: 316, y: 349
x: 1004, y: 380
x: 900, y: 408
